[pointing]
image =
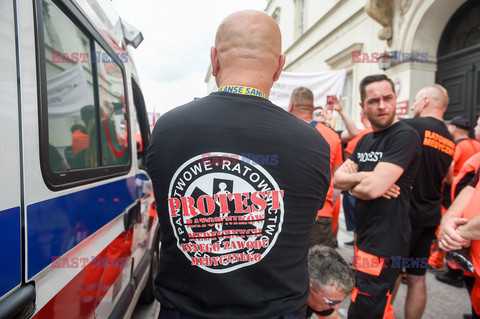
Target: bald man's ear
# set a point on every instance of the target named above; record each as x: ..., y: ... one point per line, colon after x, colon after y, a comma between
x: 426, y: 101
x: 281, y: 63
x: 214, y: 61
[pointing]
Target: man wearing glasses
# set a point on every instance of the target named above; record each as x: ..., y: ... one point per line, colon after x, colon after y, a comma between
x: 324, y: 116
x: 320, y: 116
x: 331, y: 280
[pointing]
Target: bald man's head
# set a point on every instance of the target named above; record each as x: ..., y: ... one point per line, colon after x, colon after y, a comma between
x: 248, y: 32
x: 247, y: 44
x: 438, y: 95
x: 431, y: 101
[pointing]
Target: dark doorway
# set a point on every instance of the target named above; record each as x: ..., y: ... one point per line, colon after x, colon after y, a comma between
x: 459, y: 61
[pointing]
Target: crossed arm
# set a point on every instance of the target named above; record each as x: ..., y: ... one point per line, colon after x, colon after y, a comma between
x: 470, y: 230
x: 455, y: 232
x: 369, y: 185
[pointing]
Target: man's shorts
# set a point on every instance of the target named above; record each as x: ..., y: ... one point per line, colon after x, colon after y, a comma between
x: 374, y: 282
x: 322, y: 232
x: 420, y: 243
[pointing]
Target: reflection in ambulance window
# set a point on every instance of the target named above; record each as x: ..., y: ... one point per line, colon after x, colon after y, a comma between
x: 87, y: 125
x: 113, y: 111
x: 69, y: 83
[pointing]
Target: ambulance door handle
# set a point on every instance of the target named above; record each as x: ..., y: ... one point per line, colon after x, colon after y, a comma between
x: 21, y: 303
x: 131, y: 215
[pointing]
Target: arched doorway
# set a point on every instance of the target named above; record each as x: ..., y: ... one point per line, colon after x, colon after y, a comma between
x: 459, y: 61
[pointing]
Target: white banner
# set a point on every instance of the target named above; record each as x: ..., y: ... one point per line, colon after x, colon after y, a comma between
x: 68, y: 92
x: 321, y: 83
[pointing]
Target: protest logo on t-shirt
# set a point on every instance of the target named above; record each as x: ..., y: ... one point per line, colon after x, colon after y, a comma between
x: 226, y: 211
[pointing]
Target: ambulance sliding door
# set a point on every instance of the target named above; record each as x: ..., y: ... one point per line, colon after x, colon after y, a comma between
x: 13, y: 297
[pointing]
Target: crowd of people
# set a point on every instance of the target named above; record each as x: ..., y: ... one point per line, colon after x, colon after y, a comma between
x: 242, y: 239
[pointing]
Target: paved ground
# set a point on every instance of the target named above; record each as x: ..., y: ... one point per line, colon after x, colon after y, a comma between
x: 444, y: 301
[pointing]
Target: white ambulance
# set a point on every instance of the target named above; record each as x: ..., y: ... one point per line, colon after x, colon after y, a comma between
x: 79, y: 235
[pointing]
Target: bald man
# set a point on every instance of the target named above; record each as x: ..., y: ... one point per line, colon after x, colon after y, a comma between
x: 438, y: 148
x: 236, y: 192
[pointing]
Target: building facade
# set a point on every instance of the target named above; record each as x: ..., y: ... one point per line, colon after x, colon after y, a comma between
x: 430, y: 41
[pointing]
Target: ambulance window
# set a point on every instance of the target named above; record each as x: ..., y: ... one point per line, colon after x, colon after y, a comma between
x: 138, y: 138
x: 113, y: 110
x: 84, y: 124
x: 70, y: 93
x: 142, y: 128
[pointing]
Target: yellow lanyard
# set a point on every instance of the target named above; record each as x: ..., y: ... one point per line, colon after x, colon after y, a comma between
x: 242, y: 90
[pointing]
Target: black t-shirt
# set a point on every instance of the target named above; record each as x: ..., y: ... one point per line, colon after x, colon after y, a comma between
x: 475, y: 179
x: 238, y: 182
x: 438, y: 148
x: 383, y: 225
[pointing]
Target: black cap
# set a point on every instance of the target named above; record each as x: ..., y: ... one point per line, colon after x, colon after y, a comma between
x: 460, y: 122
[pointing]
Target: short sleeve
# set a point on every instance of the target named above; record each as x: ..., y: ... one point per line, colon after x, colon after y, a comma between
x: 402, y: 147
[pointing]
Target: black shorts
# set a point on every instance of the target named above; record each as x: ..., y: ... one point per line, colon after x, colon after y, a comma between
x: 420, y: 243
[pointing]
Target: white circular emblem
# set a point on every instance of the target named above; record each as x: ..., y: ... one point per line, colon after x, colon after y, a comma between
x: 226, y: 211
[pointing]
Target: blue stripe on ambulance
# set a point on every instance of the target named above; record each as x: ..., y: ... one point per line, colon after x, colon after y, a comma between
x: 56, y: 225
x: 10, y: 250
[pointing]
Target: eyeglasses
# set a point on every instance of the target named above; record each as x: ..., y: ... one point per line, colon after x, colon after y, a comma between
x: 318, y: 113
x: 330, y: 302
